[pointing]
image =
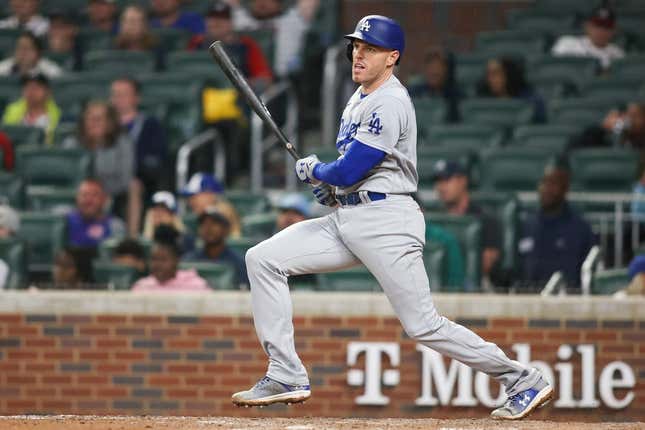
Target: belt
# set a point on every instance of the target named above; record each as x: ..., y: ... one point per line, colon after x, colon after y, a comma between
x: 355, y: 197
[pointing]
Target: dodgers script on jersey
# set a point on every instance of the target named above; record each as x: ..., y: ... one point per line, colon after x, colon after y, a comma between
x: 384, y: 120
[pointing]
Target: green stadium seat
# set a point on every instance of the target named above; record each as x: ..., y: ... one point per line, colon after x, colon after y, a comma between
x: 631, y: 65
x: 551, y: 88
x: 581, y: 111
x: 503, y: 113
x: 435, y: 262
x: 429, y: 112
x: 122, y: 61
x: 196, y: 65
x: 354, y: 279
x: 538, y: 22
x: 560, y: 8
x: 513, y: 169
x: 115, y: 276
x: 429, y: 155
x: 620, y: 88
x: 13, y: 252
x: 609, y: 281
x: 172, y: 39
x: 241, y: 244
x: 467, y: 230
x: 598, y: 170
x: 24, y: 134
x: 8, y: 38
x: 259, y: 226
x: 52, y: 166
x: 94, y: 40
x: 10, y: 90
x: 514, y: 43
x: 218, y: 276
x: 467, y: 136
x: 46, y: 198
x: 470, y: 68
x: 551, y: 137
x: 190, y: 221
x: 63, y: 131
x: 107, y: 247
x: 573, y: 70
x: 12, y: 188
x: 247, y: 203
x: 44, y: 235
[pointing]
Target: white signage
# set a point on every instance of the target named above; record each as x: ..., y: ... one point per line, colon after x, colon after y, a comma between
x: 438, y: 383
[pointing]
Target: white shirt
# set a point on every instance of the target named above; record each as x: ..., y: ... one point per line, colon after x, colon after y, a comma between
x: 581, y: 46
x: 44, y: 66
x: 37, y: 24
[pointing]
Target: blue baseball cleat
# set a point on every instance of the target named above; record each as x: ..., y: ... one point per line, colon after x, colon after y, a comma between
x: 268, y: 391
x: 525, y: 402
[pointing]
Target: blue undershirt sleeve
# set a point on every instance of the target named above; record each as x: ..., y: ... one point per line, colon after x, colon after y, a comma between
x: 350, y: 168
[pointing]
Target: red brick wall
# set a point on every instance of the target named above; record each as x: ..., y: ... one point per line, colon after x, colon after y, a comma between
x: 142, y: 364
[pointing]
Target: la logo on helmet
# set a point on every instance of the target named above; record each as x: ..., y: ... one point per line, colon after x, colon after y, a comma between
x: 365, y: 26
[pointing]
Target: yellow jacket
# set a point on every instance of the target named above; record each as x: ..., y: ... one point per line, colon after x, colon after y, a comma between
x: 16, y: 111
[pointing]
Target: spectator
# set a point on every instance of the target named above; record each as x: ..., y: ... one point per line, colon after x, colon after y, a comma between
x: 73, y: 269
x: 292, y: 208
x: 626, y: 128
x: 168, y: 14
x: 204, y: 191
x: 62, y: 37
x: 129, y: 252
x: 214, y: 230
x: 9, y: 226
x: 451, y: 185
x: 165, y: 275
x: 35, y: 108
x: 25, y: 16
x: 244, y: 50
x: 100, y: 133
x: 505, y: 78
x: 163, y: 211
x: 28, y: 59
x: 439, y: 82
x: 151, y: 151
x: 89, y: 224
x: 102, y: 15
x: 556, y: 238
x: 289, y: 27
x: 6, y: 148
x: 134, y: 34
x: 600, y: 28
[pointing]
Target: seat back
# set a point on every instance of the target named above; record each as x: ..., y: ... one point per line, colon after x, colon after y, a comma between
x: 44, y: 235
x: 218, y: 276
x: 513, y: 169
x: 115, y: 276
x: 53, y: 166
x: 603, y: 169
x: 503, y: 113
x: 24, y: 134
x: 609, y: 281
x: 13, y: 253
x: 12, y: 188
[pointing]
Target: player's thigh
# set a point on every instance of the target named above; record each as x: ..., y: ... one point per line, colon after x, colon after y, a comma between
x: 311, y: 246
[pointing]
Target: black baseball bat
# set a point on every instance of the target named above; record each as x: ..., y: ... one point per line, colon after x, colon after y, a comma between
x: 234, y: 75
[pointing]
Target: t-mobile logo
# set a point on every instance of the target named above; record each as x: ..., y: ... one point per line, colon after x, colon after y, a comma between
x: 373, y: 375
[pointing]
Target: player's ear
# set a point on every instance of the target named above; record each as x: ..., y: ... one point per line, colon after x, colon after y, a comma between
x: 392, y: 58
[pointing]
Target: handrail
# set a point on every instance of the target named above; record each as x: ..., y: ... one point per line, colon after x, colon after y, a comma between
x: 553, y: 282
x: 329, y: 93
x: 587, y: 269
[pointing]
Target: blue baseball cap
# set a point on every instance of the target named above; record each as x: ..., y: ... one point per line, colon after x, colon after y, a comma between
x: 202, y: 182
x: 295, y: 202
x: 445, y: 169
x: 637, y: 266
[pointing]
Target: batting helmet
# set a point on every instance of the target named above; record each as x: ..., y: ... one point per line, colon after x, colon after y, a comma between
x: 380, y: 31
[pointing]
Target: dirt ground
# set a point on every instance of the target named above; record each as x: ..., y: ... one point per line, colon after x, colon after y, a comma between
x: 224, y: 423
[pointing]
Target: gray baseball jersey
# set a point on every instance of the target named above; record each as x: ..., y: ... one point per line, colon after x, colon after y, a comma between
x: 384, y: 120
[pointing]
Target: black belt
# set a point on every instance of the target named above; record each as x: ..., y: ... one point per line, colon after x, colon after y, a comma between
x: 355, y: 198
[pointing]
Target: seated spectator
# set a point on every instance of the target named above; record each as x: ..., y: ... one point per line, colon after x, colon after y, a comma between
x: 102, y: 15
x: 163, y: 211
x: 35, y: 108
x: 600, y: 28
x: 165, y: 275
x: 505, y: 78
x: 89, y: 224
x: 292, y: 209
x: 557, y: 238
x: 203, y: 191
x: 151, y: 151
x: 25, y: 16
x: 72, y: 270
x: 214, y: 230
x: 134, y: 34
x: 62, y: 37
x: 6, y: 148
x: 618, y: 128
x: 28, y: 59
x: 100, y: 133
x: 244, y: 50
x: 129, y: 252
x: 451, y: 185
x: 9, y: 226
x: 168, y: 14
x: 440, y: 82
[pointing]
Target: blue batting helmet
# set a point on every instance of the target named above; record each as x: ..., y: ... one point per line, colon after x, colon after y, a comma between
x: 380, y: 31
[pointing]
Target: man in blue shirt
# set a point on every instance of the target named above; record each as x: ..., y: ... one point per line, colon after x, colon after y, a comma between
x: 168, y: 14
x: 556, y: 238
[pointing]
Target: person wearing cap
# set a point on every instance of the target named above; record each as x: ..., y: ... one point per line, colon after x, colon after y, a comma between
x: 203, y: 191
x: 25, y: 16
x: 600, y: 28
x: 292, y: 208
x: 35, y: 108
x: 451, y: 185
x: 163, y: 211
x: 168, y: 14
x: 102, y: 15
x: 28, y: 59
x: 213, y: 231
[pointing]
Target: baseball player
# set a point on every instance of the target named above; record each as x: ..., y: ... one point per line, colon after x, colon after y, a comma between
x: 376, y: 223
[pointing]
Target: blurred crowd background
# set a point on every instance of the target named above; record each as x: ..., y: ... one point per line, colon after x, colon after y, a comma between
x: 127, y: 161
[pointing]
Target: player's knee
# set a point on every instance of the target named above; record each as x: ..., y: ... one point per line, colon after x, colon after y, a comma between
x: 419, y: 330
x: 254, y: 257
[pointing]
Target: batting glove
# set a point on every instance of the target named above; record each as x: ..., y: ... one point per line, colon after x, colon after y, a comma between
x: 305, y: 169
x: 324, y: 194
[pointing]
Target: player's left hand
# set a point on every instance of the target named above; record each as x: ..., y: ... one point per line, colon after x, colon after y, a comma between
x: 305, y: 169
x: 324, y: 194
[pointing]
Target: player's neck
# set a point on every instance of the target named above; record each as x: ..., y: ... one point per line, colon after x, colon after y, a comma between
x: 370, y: 87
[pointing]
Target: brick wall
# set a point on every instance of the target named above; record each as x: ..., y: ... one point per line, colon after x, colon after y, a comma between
x: 189, y: 365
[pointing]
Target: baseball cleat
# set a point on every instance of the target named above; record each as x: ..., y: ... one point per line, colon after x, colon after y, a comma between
x: 525, y: 402
x: 268, y: 391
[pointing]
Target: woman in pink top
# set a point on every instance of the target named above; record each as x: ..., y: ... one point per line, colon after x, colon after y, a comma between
x: 165, y: 276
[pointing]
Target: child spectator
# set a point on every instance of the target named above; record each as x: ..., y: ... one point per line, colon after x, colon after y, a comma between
x: 72, y: 270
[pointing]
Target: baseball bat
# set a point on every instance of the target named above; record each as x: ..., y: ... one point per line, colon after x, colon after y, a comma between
x: 234, y: 75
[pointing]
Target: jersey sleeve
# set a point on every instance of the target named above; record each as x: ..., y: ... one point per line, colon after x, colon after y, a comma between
x: 380, y: 125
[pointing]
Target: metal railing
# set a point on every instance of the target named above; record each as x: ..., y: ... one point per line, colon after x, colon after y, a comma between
x: 330, y: 92
x: 259, y: 144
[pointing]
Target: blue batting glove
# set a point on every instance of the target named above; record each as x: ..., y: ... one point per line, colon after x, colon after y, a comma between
x: 325, y: 195
x: 305, y: 169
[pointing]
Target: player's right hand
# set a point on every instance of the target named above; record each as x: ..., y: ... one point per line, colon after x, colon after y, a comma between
x: 305, y: 169
x: 324, y: 193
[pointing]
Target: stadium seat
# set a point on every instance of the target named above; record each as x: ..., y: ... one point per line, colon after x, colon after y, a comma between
x: 620, y: 88
x: 609, y: 281
x: 92, y: 39
x: 429, y: 155
x: 46, y: 198
x: 468, y: 136
x: 52, y: 166
x: 259, y: 226
x: 513, y: 169
x: 118, y: 60
x: 44, y: 235
x: 24, y: 135
x: 574, y: 70
x: 435, y: 262
x: 247, y: 203
x: 8, y: 38
x: 429, y: 112
x: 172, y: 39
x: 631, y: 65
x: 551, y: 88
x: 190, y: 221
x: 470, y: 68
x: 218, y: 276
x: 467, y: 230
x: 607, y: 170
x: 12, y: 187
x: 510, y: 43
x: 581, y: 111
x: 551, y: 137
x: 13, y: 252
x: 354, y: 279
x: 107, y: 247
x: 560, y: 8
x: 10, y: 90
x: 503, y: 113
x: 198, y: 64
x: 115, y: 276
x: 538, y: 22
x: 241, y: 244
